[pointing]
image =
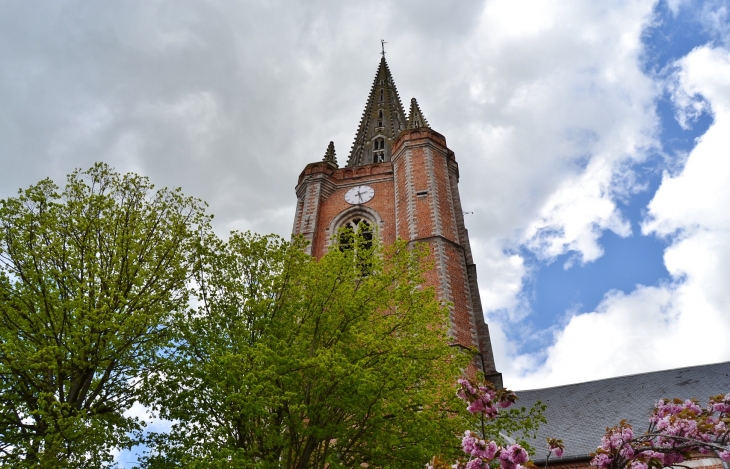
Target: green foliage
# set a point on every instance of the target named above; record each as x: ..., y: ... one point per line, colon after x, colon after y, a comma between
x: 294, y: 362
x: 282, y: 361
x: 88, y: 279
x: 516, y: 423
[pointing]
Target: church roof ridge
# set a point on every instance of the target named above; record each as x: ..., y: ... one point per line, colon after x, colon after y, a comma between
x: 646, y: 373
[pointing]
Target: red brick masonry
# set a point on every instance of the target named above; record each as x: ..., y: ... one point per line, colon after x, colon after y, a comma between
x: 416, y: 199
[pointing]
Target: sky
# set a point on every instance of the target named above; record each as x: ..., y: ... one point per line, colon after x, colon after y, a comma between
x: 593, y: 140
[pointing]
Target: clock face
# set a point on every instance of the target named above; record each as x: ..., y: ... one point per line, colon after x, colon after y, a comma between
x: 359, y: 195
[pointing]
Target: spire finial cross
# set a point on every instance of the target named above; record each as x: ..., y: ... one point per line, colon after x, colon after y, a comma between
x: 382, y: 45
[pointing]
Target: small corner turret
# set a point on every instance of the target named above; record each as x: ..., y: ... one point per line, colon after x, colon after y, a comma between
x: 329, y: 156
x: 416, y: 119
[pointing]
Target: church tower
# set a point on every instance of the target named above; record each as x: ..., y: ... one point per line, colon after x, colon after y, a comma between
x: 401, y: 177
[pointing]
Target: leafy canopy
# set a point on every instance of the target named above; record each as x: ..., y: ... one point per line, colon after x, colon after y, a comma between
x: 293, y: 362
x: 89, y: 276
x: 281, y: 361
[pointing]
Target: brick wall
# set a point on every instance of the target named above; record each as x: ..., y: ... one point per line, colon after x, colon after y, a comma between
x: 416, y: 199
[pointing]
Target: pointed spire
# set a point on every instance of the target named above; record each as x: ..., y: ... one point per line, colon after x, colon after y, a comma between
x: 329, y: 155
x: 381, y: 122
x: 416, y: 119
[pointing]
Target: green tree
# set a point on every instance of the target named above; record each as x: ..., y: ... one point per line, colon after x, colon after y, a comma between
x: 294, y: 362
x: 89, y: 277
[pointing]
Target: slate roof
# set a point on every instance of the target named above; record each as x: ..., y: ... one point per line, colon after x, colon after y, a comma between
x: 579, y: 413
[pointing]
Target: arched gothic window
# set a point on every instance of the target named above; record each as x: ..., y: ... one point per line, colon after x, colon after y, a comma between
x: 356, y: 233
x: 356, y: 239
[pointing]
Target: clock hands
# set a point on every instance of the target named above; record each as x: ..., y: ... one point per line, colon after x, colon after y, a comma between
x: 359, y: 195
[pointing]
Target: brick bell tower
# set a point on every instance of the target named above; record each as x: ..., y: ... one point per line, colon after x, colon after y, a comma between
x: 401, y: 177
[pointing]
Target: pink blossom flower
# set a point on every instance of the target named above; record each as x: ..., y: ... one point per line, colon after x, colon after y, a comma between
x: 555, y: 446
x: 671, y: 459
x: 655, y: 455
x: 476, y: 464
x: 476, y: 406
x: 721, y: 407
x: 507, y: 464
x: 489, y: 451
x: 636, y: 464
x: 515, y: 454
x: 692, y: 407
x: 601, y: 460
x: 468, y: 443
x: 478, y: 448
x: 627, y: 451
x: 724, y: 455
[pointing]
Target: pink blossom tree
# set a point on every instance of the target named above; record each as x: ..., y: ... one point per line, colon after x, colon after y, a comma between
x: 489, y: 405
x: 677, y: 431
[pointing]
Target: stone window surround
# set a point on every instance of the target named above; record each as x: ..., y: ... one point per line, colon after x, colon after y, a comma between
x: 367, y: 214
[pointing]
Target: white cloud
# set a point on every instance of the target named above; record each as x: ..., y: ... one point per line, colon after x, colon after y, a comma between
x: 502, y: 282
x: 699, y: 195
x: 611, y: 341
x: 543, y: 103
x: 576, y: 214
x: 675, y: 5
x: 557, y: 109
x: 686, y: 321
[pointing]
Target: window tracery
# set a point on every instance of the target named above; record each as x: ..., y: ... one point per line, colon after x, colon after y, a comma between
x: 356, y: 233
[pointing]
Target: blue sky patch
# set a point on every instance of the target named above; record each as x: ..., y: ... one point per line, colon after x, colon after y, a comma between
x: 555, y: 292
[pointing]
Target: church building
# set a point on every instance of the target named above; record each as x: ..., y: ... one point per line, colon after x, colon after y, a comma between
x: 401, y: 181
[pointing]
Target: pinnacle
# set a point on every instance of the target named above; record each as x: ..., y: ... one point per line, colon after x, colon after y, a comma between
x: 416, y: 119
x: 329, y: 155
